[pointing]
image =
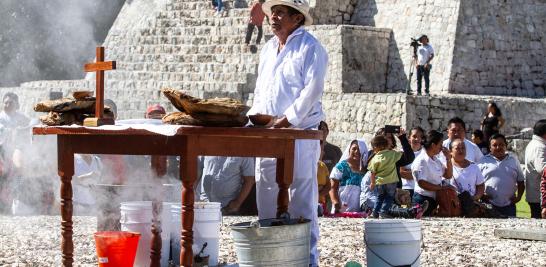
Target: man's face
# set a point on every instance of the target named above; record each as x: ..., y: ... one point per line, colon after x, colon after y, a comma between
x: 424, y: 40
x: 498, y: 147
x: 9, y: 105
x: 455, y: 130
x: 282, y: 23
x: 458, y: 149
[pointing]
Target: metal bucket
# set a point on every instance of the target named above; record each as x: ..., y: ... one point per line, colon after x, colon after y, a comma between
x: 272, y: 242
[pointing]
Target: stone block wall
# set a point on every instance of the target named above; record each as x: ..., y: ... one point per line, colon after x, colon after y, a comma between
x: 332, y: 11
x: 359, y: 115
x: 358, y: 57
x: 500, y: 50
x: 177, y: 43
x: 436, y: 18
x: 434, y: 112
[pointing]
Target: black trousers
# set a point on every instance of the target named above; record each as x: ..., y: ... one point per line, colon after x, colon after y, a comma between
x: 535, y: 210
x: 250, y: 30
x: 422, y: 72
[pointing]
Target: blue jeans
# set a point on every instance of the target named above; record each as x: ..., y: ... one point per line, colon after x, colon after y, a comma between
x: 419, y: 199
x: 509, y: 210
x: 220, y: 6
x: 385, y: 198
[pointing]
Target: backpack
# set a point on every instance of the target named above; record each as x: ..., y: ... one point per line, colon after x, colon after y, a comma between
x: 448, y: 203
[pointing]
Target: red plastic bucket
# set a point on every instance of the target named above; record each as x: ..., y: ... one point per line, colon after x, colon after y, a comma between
x: 116, y: 248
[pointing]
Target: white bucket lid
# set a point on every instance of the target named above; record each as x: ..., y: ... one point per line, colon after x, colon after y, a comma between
x: 142, y: 205
x: 389, y: 223
x: 207, y: 205
x: 198, y: 206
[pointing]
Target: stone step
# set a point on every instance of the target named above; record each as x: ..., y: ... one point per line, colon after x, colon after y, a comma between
x: 535, y: 234
x: 189, y: 58
x: 190, y: 16
x: 206, y: 21
x: 195, y: 5
x: 240, y: 77
x: 180, y: 49
x: 203, y: 30
x: 188, y: 32
x: 195, y: 22
x: 156, y: 85
x: 189, y: 40
x: 201, y: 13
x: 187, y: 67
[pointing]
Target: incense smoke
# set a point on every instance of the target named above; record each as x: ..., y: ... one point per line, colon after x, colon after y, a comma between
x: 51, y: 40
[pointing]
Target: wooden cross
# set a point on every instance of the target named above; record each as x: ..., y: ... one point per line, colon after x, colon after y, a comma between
x: 99, y: 67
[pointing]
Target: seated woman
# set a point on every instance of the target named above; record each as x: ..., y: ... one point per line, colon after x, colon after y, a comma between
x: 346, y: 177
x: 467, y: 177
x: 369, y: 197
x: 428, y: 171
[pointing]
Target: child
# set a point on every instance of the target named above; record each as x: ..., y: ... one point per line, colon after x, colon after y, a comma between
x: 383, y: 175
x: 477, y: 138
x: 323, y: 186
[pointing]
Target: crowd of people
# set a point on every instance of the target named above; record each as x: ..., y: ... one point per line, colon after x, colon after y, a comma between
x: 398, y: 176
x: 488, y: 182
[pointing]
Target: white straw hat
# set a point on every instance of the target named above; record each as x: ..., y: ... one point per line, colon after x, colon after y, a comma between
x: 300, y: 5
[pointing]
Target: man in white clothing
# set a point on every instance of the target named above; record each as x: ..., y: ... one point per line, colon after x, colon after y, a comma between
x: 425, y: 54
x: 10, y: 117
x: 456, y: 129
x: 289, y: 88
x: 535, y: 162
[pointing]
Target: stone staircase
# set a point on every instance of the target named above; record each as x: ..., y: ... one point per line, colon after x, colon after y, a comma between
x: 167, y: 43
x: 183, y: 46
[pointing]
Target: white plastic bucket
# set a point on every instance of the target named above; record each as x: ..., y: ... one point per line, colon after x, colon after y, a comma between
x: 207, y: 218
x: 136, y: 216
x: 393, y: 242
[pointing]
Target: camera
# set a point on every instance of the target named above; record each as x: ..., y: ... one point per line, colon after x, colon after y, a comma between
x: 393, y: 129
x: 415, y: 43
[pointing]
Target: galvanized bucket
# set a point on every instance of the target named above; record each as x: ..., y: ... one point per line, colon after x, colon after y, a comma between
x: 272, y: 242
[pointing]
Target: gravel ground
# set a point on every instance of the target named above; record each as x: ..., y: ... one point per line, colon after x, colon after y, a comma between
x: 35, y: 241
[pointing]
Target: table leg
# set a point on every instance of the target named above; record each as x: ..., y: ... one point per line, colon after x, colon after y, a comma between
x: 159, y: 166
x: 155, y: 246
x: 188, y: 174
x: 66, y: 171
x: 285, y: 172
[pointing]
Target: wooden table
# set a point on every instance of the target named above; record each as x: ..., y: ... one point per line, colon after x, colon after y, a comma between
x: 188, y: 143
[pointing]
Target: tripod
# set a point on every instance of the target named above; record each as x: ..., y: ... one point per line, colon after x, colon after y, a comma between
x: 413, y: 60
x: 411, y: 71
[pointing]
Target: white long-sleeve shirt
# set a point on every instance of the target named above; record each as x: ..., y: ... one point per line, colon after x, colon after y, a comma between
x: 535, y: 162
x: 291, y: 81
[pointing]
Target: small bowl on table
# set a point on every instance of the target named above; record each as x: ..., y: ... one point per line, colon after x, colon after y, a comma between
x: 261, y: 119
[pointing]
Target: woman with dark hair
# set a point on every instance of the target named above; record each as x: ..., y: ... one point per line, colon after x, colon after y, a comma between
x: 467, y: 176
x: 346, y: 178
x: 416, y: 138
x: 492, y: 121
x: 429, y: 171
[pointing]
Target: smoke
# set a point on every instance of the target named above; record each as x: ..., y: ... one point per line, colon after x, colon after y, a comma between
x: 34, y: 184
x: 51, y: 40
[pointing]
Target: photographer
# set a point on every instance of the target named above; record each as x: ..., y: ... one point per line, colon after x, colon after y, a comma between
x: 425, y: 54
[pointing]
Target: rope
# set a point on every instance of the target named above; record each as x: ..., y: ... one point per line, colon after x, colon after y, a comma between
x: 388, y: 263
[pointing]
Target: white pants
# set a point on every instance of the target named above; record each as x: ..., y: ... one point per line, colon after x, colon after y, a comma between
x: 303, y: 192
